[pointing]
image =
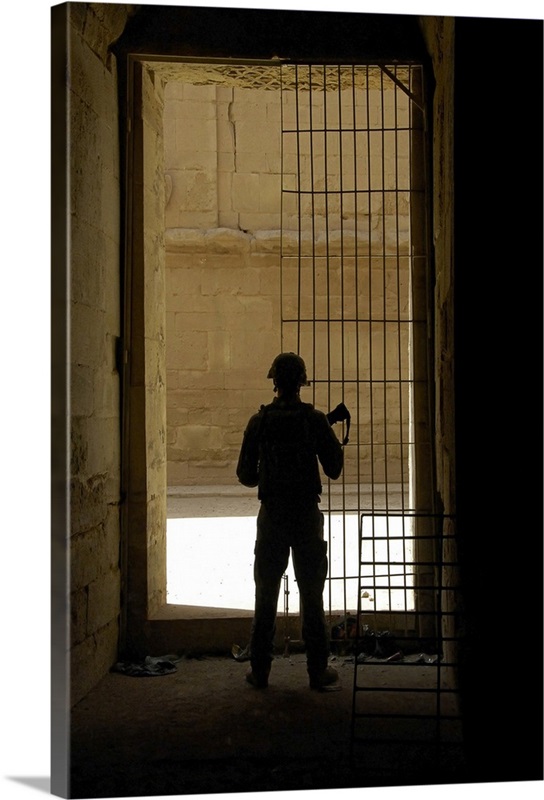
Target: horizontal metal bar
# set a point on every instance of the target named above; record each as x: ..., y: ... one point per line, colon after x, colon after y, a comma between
x: 360, y: 62
x: 362, y: 321
x: 403, y: 689
x: 402, y: 742
x: 421, y: 514
x: 351, y: 191
x: 415, y: 717
x: 226, y: 62
x: 380, y: 129
x: 410, y: 563
x: 405, y: 664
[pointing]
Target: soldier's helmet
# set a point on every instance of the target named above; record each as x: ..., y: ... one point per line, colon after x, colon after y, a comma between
x: 288, y: 371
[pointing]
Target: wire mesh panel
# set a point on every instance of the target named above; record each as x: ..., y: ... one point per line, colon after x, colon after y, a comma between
x: 405, y: 691
x: 355, y: 303
x: 353, y: 253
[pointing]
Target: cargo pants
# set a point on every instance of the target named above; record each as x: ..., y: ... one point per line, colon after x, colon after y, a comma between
x: 278, y: 533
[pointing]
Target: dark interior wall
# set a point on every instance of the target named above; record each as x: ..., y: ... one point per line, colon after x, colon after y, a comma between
x: 498, y: 363
x: 265, y: 33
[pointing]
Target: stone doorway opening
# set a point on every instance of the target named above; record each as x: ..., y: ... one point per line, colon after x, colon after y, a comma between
x: 292, y: 209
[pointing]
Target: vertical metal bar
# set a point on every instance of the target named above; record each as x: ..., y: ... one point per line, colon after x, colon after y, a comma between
x: 299, y: 210
x: 384, y: 350
x: 370, y: 334
x: 356, y: 283
x: 399, y: 355
x: 312, y: 185
x: 282, y: 187
x: 342, y: 316
x: 327, y: 236
x: 358, y: 610
x: 326, y: 198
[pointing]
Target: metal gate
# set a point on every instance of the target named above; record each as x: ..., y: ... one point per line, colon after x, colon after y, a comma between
x: 354, y: 275
x: 356, y: 304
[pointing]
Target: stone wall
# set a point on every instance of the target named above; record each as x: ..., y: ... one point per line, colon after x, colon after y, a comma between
x: 94, y: 314
x: 439, y: 33
x: 225, y: 295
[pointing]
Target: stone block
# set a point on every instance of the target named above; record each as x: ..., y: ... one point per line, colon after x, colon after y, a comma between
x: 224, y: 192
x: 267, y: 242
x: 85, y: 557
x: 195, y: 136
x: 188, y: 351
x: 199, y: 93
x: 196, y: 219
x: 78, y: 616
x: 88, y: 504
x: 103, y: 600
x: 255, y: 317
x: 92, y: 659
x: 245, y: 190
x: 228, y: 219
x: 210, y: 319
x: 177, y: 473
x: 219, y: 350
x: 183, y: 283
x: 89, y: 80
x: 269, y: 194
x: 195, y: 438
x: 103, y: 446
x: 256, y: 136
x: 81, y: 390
x: 206, y: 473
x: 255, y: 221
x: 269, y: 281
x: 225, y: 165
x: 253, y: 163
x: 87, y: 338
x: 225, y: 129
x: 173, y: 91
x: 194, y: 190
x: 221, y: 281
x: 89, y: 256
x: 106, y: 393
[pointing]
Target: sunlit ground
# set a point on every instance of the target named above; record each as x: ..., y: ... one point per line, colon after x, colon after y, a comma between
x: 209, y: 563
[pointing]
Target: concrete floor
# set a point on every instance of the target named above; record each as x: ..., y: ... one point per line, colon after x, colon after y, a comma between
x: 203, y: 729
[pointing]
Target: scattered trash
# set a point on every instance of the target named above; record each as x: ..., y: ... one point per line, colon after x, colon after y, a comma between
x: 239, y: 653
x: 423, y: 658
x: 151, y: 666
x: 395, y: 657
x: 343, y: 636
x: 385, y: 646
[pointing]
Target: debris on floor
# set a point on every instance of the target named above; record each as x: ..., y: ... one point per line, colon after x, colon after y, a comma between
x: 240, y: 653
x: 372, y: 645
x: 151, y: 666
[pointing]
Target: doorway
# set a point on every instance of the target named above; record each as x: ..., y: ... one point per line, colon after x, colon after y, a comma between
x: 296, y: 219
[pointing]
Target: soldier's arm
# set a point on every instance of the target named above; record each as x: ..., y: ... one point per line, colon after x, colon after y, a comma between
x: 329, y: 449
x: 247, y: 470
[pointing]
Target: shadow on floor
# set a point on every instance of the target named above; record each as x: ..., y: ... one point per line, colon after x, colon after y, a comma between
x: 203, y: 729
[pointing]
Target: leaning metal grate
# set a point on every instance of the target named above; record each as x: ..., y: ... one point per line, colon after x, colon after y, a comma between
x: 405, y: 697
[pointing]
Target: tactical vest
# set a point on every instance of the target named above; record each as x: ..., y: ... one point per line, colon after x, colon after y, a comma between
x: 288, y: 468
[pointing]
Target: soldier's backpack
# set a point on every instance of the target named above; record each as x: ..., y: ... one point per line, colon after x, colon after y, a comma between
x: 288, y: 466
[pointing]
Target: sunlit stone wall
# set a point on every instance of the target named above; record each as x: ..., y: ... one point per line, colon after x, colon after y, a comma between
x: 225, y: 294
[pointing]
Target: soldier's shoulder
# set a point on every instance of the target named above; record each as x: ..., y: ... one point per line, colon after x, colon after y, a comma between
x: 313, y: 411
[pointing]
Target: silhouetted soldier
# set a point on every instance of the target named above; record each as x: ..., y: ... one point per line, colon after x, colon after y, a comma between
x: 282, y: 445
